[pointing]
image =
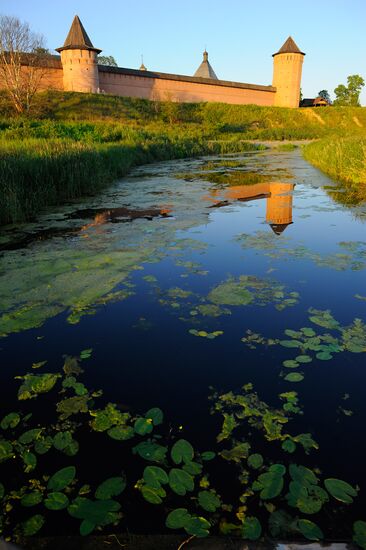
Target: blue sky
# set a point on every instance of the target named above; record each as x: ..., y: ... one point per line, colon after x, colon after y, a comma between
x: 240, y: 35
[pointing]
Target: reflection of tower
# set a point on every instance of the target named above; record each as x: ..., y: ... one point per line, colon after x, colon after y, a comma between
x: 279, y: 206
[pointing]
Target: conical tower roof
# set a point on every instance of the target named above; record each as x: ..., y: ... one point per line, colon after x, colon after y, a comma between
x: 278, y: 228
x: 205, y: 70
x: 77, y: 39
x: 289, y: 46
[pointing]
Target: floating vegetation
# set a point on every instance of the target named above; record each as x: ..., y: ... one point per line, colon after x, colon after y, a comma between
x: 173, y: 472
x: 354, y: 257
x: 250, y: 290
x: 204, y: 334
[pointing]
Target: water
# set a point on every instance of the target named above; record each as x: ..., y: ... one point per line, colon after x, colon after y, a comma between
x: 163, y: 276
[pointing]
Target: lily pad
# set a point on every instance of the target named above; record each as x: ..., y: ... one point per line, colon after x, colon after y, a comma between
x: 31, y: 499
x: 255, y: 461
x: 359, y: 533
x: 155, y: 476
x: 289, y: 446
x: 294, y: 377
x: 197, y: 526
x: 340, y: 490
x: 151, y: 451
x: 251, y: 529
x: 290, y: 364
x: 35, y: 384
x: 33, y: 525
x: 10, y: 421
x: 143, y: 426
x: 56, y: 501
x: 180, y: 481
x: 182, y: 451
x: 310, y: 530
x: 156, y: 415
x: 177, y: 519
x: 209, y: 501
x: 61, y: 479
x: 110, y: 488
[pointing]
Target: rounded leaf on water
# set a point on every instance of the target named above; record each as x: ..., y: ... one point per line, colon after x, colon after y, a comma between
x: 310, y: 530
x: 33, y: 525
x: 209, y: 501
x: 86, y: 527
x: 303, y: 359
x: 10, y: 421
x: 155, y: 476
x: 289, y: 446
x: 56, y: 501
x: 359, y: 533
x: 62, y: 440
x: 251, y: 529
x: 294, y: 377
x: 61, y: 479
x: 255, y: 461
x: 121, y: 433
x: 153, y: 495
x: 156, y: 415
x: 197, y: 526
x: 208, y: 455
x: 177, y: 519
x: 150, y: 451
x: 6, y: 450
x: 143, y: 426
x: 290, y: 364
x: 340, y: 490
x: 111, y: 487
x: 182, y: 451
x: 31, y: 499
x: 193, y: 468
x: 180, y: 481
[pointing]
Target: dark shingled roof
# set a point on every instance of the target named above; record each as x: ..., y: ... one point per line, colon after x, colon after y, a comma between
x: 278, y: 228
x: 77, y: 38
x: 289, y: 46
x: 205, y: 70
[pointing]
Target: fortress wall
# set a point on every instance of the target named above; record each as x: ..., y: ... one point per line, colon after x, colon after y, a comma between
x: 166, y: 89
x: 52, y: 79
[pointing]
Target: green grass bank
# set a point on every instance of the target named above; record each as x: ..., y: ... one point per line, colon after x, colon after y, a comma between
x: 73, y: 144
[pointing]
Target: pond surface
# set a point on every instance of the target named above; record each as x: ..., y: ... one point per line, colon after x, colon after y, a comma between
x: 185, y: 280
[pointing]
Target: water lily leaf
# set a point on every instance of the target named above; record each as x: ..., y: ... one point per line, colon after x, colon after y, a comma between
x: 303, y: 475
x: 62, y: 440
x: 43, y: 445
x: 310, y: 530
x: 56, y: 501
x: 180, y: 481
x: 255, y: 461
x: 86, y: 353
x: 121, y: 433
x: 197, y: 526
x: 282, y: 524
x: 303, y: 359
x: 6, y: 450
x: 324, y: 356
x: 99, y: 512
x: 251, y: 529
x: 143, y: 426
x: 177, y: 519
x: 10, y: 421
x: 306, y: 441
x: 111, y: 487
x: 182, y: 451
x: 193, y: 468
x: 155, y: 476
x: 228, y: 425
x: 294, y: 377
x: 156, y: 415
x: 290, y: 364
x: 30, y: 461
x: 289, y: 446
x: 291, y: 343
x: 237, y: 453
x: 31, y: 499
x: 340, y: 490
x: 153, y: 494
x: 270, y: 484
x: 29, y: 436
x: 208, y: 455
x: 323, y: 318
x: 209, y: 501
x: 61, y: 479
x: 359, y: 533
x: 35, y: 384
x: 86, y: 528
x: 33, y: 525
x: 151, y: 451
x: 308, y: 331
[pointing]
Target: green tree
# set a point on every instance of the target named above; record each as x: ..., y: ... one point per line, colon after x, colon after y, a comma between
x: 107, y: 60
x: 325, y: 95
x: 349, y: 95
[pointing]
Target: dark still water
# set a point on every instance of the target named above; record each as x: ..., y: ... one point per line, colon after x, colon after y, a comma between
x: 230, y: 294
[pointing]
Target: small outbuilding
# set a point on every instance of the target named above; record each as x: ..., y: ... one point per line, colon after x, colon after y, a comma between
x: 315, y: 102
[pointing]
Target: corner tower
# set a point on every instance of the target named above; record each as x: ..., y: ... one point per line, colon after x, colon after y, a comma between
x: 287, y: 69
x: 79, y: 60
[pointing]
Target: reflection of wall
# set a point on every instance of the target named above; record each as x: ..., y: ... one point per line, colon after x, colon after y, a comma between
x: 279, y: 200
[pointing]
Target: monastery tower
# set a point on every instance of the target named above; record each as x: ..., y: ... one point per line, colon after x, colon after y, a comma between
x: 287, y: 69
x: 79, y: 60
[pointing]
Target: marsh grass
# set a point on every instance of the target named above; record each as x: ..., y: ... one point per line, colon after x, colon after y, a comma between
x: 76, y: 143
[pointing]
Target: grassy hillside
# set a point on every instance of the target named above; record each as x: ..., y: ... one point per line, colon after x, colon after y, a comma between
x: 75, y: 143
